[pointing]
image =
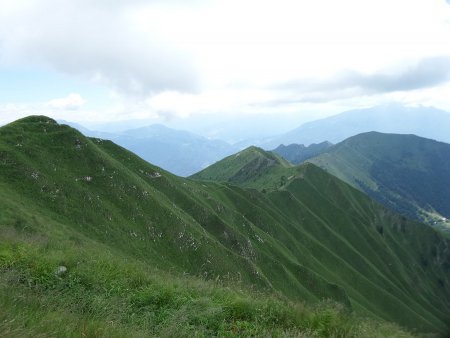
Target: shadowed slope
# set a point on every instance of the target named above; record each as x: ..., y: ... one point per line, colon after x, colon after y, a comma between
x: 406, y: 173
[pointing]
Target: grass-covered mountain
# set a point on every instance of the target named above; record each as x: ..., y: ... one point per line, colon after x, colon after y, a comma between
x: 298, y: 153
x: 178, y: 151
x: 390, y: 118
x: 406, y: 173
x: 251, y: 168
x: 266, y: 172
x: 96, y: 241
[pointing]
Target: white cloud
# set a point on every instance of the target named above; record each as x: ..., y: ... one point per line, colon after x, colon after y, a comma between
x: 69, y: 107
x: 73, y: 101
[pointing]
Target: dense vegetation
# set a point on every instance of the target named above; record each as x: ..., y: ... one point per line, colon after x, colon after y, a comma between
x: 97, y: 239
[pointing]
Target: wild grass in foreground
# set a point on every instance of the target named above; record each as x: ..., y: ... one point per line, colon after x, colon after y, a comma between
x: 105, y: 293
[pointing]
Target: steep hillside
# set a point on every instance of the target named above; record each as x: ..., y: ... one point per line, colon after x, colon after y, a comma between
x: 406, y: 173
x: 303, y: 184
x: 89, y: 225
x: 391, y: 118
x: 298, y: 153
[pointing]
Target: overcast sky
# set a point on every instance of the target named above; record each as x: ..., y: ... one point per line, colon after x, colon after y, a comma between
x: 168, y: 60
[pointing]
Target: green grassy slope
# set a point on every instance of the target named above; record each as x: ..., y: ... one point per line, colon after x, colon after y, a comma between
x: 314, y: 205
x: 128, y: 231
x: 251, y: 168
x: 407, y: 173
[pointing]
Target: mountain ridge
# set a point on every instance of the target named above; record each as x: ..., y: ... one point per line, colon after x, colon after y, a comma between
x: 298, y: 153
x: 313, y: 237
x: 407, y: 173
x: 250, y: 167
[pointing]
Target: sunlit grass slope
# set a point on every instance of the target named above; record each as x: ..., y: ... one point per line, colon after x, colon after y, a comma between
x: 347, y: 224
x: 147, y: 252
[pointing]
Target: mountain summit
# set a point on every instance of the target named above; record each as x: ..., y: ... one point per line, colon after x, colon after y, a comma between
x: 251, y: 167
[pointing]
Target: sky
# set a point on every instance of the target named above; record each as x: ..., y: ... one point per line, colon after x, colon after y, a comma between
x: 173, y: 61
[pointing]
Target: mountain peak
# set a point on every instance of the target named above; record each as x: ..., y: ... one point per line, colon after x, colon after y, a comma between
x: 256, y: 151
x: 36, y: 119
x: 246, y: 167
x: 37, y: 124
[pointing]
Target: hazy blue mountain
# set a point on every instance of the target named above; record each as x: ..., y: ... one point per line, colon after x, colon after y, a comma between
x: 89, y: 132
x: 180, y: 152
x: 232, y: 128
x: 298, y: 153
x: 406, y: 173
x: 392, y: 118
x: 242, y: 130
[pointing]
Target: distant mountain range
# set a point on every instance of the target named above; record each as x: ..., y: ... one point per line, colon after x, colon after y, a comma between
x: 92, y: 234
x: 392, y: 118
x: 180, y: 152
x: 184, y: 153
x: 177, y: 151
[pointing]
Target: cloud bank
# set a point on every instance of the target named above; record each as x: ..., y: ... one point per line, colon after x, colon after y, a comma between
x: 97, y: 40
x: 173, y: 58
x: 425, y: 73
